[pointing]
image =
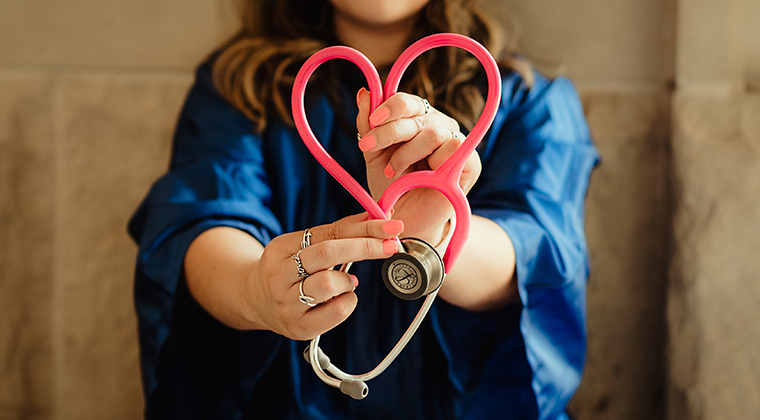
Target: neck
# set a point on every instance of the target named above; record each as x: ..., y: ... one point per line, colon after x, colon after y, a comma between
x: 382, y: 44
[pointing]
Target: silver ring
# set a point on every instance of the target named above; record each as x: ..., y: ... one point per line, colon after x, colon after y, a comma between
x: 426, y: 104
x: 306, y: 300
x: 301, y: 272
x: 306, y: 240
x: 358, y: 136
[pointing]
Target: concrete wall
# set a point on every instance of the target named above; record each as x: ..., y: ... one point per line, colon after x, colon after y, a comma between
x: 714, y: 293
x: 89, y: 92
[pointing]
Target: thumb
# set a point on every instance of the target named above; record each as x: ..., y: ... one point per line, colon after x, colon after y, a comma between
x: 362, y: 119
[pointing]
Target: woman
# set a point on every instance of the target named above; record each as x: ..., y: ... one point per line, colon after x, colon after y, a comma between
x: 220, y: 304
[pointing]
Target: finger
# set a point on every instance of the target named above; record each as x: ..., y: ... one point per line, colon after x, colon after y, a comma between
x: 324, y: 317
x: 325, y: 285
x: 362, y: 119
x: 328, y: 254
x: 425, y: 145
x: 453, y: 140
x: 358, y: 217
x: 400, y: 105
x: 352, y: 228
x: 404, y: 129
x: 471, y: 172
x: 472, y: 167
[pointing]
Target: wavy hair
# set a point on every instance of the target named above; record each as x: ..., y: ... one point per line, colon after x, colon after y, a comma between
x: 256, y: 69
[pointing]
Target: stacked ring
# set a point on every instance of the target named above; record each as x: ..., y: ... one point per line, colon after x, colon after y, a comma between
x: 426, y: 104
x: 306, y: 300
x: 306, y: 240
x: 302, y: 273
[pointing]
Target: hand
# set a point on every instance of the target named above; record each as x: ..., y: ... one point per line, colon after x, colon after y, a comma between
x: 408, y: 138
x: 275, y: 285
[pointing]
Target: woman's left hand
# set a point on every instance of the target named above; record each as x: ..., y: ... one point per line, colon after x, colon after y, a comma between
x: 409, y: 136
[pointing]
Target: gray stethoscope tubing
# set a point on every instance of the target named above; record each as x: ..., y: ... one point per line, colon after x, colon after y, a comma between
x: 354, y: 385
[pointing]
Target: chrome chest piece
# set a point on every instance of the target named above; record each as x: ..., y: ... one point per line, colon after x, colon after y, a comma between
x: 415, y: 272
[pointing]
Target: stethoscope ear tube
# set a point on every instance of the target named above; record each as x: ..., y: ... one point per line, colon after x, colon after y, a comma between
x: 320, y: 362
x: 429, y: 265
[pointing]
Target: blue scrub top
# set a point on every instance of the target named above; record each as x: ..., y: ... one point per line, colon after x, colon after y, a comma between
x: 520, y: 362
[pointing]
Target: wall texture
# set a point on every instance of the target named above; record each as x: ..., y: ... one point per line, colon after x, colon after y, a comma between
x: 90, y: 90
x: 89, y: 94
x: 714, y: 293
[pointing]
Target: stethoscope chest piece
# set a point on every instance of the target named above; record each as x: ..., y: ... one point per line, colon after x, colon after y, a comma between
x: 414, y: 272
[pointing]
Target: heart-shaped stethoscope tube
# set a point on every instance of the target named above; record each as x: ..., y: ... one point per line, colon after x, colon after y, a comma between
x: 445, y: 179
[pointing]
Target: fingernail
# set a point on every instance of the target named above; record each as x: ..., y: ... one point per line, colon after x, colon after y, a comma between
x: 389, y: 172
x: 393, y: 227
x: 392, y: 211
x: 367, y: 142
x: 356, y: 281
x: 379, y: 116
x: 390, y: 246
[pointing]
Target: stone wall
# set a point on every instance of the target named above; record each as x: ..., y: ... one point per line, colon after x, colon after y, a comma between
x: 89, y: 94
x: 90, y: 90
x: 714, y: 293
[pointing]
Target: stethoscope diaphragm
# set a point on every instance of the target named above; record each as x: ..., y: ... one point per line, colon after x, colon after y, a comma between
x: 414, y: 272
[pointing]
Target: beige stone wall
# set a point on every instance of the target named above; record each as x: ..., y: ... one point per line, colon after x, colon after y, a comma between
x: 89, y: 94
x: 714, y: 293
x: 89, y: 91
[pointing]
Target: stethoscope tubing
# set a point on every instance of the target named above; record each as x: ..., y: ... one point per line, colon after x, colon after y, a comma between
x: 302, y: 125
x: 444, y: 179
x: 380, y: 368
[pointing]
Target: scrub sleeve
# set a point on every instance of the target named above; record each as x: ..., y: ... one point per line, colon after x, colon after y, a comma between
x: 537, y: 161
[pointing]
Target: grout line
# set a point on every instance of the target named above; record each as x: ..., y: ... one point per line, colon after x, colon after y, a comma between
x: 718, y: 89
x: 585, y: 86
x: 98, y: 70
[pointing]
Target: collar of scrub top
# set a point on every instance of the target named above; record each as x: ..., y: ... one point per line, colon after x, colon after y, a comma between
x: 445, y: 179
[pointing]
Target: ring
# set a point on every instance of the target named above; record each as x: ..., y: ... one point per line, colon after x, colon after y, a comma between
x: 358, y: 136
x: 426, y: 104
x: 454, y: 134
x: 306, y: 300
x: 306, y: 240
x: 301, y: 272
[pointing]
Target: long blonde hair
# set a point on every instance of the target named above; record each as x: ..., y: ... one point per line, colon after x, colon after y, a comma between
x: 255, y: 70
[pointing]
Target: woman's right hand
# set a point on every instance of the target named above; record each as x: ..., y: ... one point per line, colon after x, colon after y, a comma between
x: 273, y: 292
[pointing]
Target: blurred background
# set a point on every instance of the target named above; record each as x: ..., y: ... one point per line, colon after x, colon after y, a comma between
x: 89, y: 94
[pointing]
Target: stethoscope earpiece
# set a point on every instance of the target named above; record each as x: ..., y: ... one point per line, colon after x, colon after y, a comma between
x: 354, y: 388
x: 414, y: 272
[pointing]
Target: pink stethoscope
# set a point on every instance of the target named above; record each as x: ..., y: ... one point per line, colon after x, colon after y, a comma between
x: 417, y: 270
